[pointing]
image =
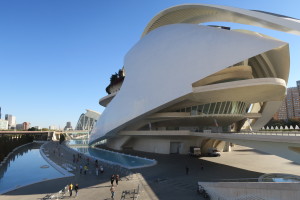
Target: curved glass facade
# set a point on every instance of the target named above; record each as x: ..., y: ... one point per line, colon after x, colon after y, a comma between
x: 225, y: 107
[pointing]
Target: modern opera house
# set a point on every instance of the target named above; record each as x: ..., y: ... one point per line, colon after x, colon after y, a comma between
x: 184, y: 78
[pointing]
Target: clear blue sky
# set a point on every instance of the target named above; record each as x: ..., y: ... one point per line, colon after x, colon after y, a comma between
x: 56, y: 56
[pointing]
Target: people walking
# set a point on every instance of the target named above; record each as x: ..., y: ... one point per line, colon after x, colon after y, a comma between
x: 117, y: 178
x: 85, y: 169
x: 112, y: 190
x: 112, y: 178
x: 76, y: 189
x: 101, y: 169
x: 97, y: 170
x: 70, y: 189
x: 80, y: 169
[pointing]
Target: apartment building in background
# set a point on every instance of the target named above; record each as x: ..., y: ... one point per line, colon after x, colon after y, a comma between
x: 290, y: 107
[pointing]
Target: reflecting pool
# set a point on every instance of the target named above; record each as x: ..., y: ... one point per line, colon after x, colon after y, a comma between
x: 24, y: 167
x: 278, y: 177
x: 124, y: 160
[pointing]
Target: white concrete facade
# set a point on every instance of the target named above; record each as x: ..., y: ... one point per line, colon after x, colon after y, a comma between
x: 185, y: 76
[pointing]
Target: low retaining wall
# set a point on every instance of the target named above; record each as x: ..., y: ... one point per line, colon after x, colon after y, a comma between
x: 251, y: 190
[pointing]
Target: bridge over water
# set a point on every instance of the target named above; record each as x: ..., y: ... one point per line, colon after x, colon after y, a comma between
x: 38, y: 135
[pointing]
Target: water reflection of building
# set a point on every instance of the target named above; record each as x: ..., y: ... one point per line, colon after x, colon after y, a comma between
x: 88, y: 120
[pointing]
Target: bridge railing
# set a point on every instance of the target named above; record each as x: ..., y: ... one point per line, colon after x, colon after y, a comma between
x: 276, y: 133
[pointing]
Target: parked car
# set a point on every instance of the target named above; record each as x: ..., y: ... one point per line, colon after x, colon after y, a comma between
x: 213, y: 152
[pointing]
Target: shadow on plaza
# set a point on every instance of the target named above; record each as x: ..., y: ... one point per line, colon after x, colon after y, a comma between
x: 170, y: 168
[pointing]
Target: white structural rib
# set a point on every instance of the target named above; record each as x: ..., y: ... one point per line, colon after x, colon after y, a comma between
x: 201, y: 13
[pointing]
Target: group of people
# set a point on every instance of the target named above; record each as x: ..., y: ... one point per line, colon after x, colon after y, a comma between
x: 112, y: 188
x: 84, y: 169
x: 114, y: 178
x: 72, y: 187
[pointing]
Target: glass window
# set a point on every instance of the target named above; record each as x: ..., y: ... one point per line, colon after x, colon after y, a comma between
x: 188, y: 109
x: 211, y: 108
x: 205, y: 109
x: 227, y: 107
x: 218, y: 107
x: 194, y: 110
x: 223, y: 105
x: 200, y: 109
x: 233, y: 107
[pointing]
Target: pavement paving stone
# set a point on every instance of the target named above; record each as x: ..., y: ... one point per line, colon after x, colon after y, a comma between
x: 166, y: 181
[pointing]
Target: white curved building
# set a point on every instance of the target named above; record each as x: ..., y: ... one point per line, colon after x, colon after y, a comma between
x: 182, y: 78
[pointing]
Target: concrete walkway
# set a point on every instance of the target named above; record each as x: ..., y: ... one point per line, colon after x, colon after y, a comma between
x: 90, y: 186
x: 166, y: 180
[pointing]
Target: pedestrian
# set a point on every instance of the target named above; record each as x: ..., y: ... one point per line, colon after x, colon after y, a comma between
x: 76, y: 189
x: 70, y: 189
x: 117, y: 178
x: 112, y: 190
x: 101, y: 169
x: 97, y: 170
x: 96, y: 163
x: 112, y: 178
x: 85, y: 169
x: 186, y: 170
x: 80, y: 167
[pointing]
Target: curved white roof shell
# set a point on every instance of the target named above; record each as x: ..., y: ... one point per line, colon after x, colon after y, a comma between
x: 164, y: 64
x: 200, y: 13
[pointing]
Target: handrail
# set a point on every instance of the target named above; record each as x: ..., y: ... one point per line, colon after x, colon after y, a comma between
x: 268, y: 133
x: 58, y: 195
x: 248, y: 179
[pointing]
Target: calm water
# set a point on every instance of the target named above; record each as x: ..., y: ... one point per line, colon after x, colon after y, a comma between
x: 24, y: 167
x: 290, y: 180
x: 117, y: 158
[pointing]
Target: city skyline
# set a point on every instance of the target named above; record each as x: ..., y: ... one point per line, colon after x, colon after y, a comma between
x: 57, y: 57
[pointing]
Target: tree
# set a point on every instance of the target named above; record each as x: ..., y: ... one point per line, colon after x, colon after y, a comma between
x: 32, y: 129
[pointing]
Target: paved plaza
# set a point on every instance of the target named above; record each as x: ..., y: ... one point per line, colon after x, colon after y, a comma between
x: 166, y: 180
